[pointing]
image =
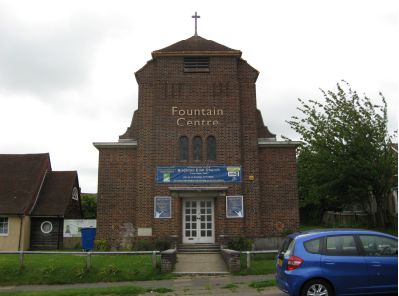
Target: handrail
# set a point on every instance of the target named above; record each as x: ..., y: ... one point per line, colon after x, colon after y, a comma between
x: 79, y: 253
x: 261, y: 252
x: 257, y: 252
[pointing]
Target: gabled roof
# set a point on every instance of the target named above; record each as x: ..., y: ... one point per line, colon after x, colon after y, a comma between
x: 20, y: 178
x: 55, y: 194
x: 194, y: 46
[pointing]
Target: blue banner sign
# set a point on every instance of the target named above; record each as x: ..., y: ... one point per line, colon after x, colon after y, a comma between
x: 199, y: 174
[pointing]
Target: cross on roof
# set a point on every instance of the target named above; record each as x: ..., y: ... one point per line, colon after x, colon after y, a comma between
x: 195, y: 16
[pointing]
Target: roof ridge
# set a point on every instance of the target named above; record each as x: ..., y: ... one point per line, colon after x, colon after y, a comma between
x: 195, y: 43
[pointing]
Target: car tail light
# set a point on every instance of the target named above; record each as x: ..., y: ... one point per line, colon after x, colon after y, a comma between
x: 294, y: 262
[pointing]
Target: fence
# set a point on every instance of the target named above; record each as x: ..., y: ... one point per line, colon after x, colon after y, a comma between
x: 257, y: 252
x: 89, y: 254
x: 346, y: 218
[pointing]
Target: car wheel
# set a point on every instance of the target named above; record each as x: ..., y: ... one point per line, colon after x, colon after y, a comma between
x: 317, y: 288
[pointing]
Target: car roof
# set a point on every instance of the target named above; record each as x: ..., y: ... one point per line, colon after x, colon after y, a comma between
x: 336, y: 231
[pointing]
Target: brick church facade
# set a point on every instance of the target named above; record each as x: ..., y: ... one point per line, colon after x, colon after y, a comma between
x: 197, y: 160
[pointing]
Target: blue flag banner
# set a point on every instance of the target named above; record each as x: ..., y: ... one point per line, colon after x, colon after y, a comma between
x: 199, y: 174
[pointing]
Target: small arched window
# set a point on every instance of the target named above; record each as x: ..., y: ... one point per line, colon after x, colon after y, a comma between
x: 183, y: 149
x: 211, y: 148
x: 197, y: 147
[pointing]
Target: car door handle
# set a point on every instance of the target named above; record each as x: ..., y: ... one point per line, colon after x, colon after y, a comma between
x: 375, y: 263
x: 329, y: 261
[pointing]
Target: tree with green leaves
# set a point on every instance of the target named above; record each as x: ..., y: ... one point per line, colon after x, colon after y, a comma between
x: 89, y: 206
x: 346, y: 156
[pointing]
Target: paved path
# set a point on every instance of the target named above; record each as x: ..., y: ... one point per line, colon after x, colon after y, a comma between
x: 193, y: 285
x: 203, y: 264
x: 202, y: 285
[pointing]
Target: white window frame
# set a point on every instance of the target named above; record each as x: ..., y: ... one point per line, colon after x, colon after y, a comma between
x: 8, y: 226
x: 75, y: 194
x: 51, y: 229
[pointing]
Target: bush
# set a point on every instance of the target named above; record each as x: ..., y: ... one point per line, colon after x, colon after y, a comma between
x: 240, y: 244
x: 89, y: 206
x: 154, y: 244
x: 287, y: 232
x: 312, y: 214
x: 102, y: 245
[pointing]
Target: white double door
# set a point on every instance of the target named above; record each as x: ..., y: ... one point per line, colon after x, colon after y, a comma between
x: 198, y: 221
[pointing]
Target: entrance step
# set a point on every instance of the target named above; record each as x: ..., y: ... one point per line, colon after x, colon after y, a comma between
x: 200, y: 264
x: 199, y: 249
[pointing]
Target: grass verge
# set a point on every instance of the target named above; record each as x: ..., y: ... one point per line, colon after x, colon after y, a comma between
x: 71, y: 269
x: 263, y: 284
x: 264, y: 264
x: 127, y: 290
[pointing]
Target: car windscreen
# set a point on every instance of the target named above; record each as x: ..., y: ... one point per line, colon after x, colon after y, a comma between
x: 287, y: 248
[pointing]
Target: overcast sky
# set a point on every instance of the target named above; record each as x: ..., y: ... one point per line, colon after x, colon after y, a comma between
x: 67, y: 67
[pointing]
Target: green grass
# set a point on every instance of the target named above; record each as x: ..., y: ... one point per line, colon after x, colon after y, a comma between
x: 127, y: 290
x: 264, y: 264
x: 71, y: 269
x: 263, y: 284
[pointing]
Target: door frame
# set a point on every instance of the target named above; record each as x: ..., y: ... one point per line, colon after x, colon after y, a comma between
x: 198, y: 199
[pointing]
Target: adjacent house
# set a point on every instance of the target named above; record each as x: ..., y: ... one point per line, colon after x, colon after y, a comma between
x: 34, y: 201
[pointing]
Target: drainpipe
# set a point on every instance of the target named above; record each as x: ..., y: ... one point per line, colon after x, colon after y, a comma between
x: 20, y: 233
x: 59, y: 231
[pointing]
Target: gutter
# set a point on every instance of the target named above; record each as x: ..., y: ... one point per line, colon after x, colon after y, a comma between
x: 270, y: 143
x: 237, y: 53
x: 122, y: 144
x: 20, y: 233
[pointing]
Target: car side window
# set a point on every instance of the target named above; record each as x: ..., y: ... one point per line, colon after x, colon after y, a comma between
x: 375, y: 245
x: 313, y: 246
x: 341, y: 245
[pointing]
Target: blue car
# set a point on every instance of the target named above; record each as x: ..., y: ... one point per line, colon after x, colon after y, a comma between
x: 338, y: 262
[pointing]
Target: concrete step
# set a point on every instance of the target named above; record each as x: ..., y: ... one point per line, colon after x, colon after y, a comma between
x: 198, y: 253
x: 199, y: 249
x: 200, y: 264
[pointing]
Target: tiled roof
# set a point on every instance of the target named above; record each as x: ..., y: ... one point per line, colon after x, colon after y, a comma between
x: 395, y: 146
x: 196, y: 44
x: 55, y: 194
x: 20, y: 177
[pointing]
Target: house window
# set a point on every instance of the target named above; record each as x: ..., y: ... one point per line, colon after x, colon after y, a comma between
x: 75, y: 194
x: 211, y: 148
x: 4, y: 225
x: 197, y: 146
x: 183, y: 149
x: 46, y: 227
x: 196, y: 64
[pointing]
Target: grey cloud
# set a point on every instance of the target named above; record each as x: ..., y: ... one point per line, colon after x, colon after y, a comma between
x: 52, y: 58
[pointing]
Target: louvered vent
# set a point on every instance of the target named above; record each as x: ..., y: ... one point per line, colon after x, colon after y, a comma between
x: 196, y: 64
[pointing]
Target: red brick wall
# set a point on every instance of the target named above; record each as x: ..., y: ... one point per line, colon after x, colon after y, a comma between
x: 116, y: 212
x: 279, y: 190
x: 127, y: 177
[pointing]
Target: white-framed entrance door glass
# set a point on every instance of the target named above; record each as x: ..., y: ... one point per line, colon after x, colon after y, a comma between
x: 198, y: 221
